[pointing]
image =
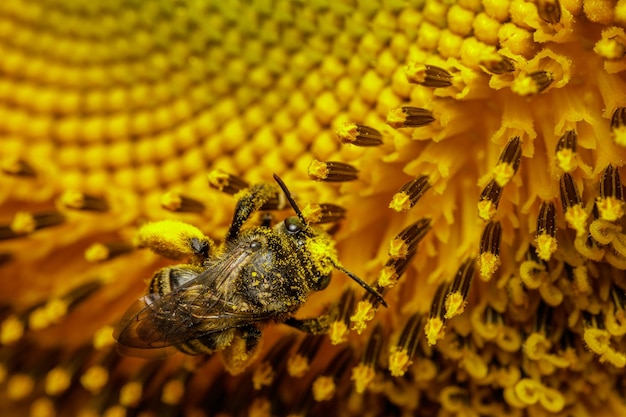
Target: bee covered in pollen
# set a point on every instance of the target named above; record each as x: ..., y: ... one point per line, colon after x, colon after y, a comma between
x: 221, y: 300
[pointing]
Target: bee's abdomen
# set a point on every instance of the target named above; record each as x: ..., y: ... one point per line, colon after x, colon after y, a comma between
x: 207, y: 344
x: 167, y: 279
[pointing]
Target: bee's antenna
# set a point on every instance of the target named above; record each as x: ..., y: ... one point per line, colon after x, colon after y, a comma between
x: 290, y: 198
x: 362, y: 283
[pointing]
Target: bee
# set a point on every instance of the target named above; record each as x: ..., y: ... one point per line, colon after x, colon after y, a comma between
x: 256, y: 276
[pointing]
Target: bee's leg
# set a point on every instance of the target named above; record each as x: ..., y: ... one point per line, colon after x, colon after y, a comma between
x: 242, y: 350
x: 317, y: 325
x: 250, y: 202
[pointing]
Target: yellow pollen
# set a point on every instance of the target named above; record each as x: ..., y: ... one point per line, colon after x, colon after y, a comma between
x: 399, y: 361
x: 318, y: 169
x: 171, y: 201
x: 298, y: 366
x: 261, y: 407
x: 566, y: 160
x: 173, y: 392
x: 434, y: 330
x: 502, y: 173
x: 11, y: 331
x: 130, y: 394
x: 23, y: 223
x: 454, y: 304
x: 488, y: 264
x: 43, y: 407
x: 169, y: 238
x: 338, y: 332
x: 103, y: 337
x: 576, y: 217
x: 97, y: 253
x: 323, y: 388
x: 486, y: 210
x: 400, y: 202
x: 619, y: 135
x: 263, y: 375
x: 73, y: 199
x: 115, y: 411
x: 398, y: 248
x: 362, y: 375
x: 51, y: 313
x: 94, y: 379
x: 388, y: 277
x: 610, y: 208
x: 546, y: 246
x: 19, y: 386
x: 364, y: 312
x: 57, y: 381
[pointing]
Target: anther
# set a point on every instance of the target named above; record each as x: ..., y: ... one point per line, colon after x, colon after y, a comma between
x: 359, y: 135
x: 618, y: 126
x: 273, y: 363
x: 533, y: 83
x: 566, y: 151
x: 99, y: 252
x: 549, y: 11
x: 325, y: 386
x: 323, y: 213
x: 77, y: 200
x: 435, y: 325
x: 132, y: 391
x: 611, y: 201
x: 545, y: 236
x: 332, y: 171
x: 575, y: 214
x: 428, y: 75
x: 409, y: 117
x: 60, y: 378
x: 489, y: 257
x: 227, y: 183
x: 405, y: 243
x: 363, y: 374
x: 458, y: 291
x: 17, y: 167
x: 498, y: 66
x: 338, y: 329
x: 24, y: 223
x: 173, y: 390
x: 173, y: 201
x: 409, y: 194
x: 509, y: 161
x: 489, y: 200
x: 299, y: 363
x: 401, y: 355
x: 96, y: 377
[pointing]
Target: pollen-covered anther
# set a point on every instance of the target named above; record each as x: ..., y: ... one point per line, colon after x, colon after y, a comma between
x: 409, y: 117
x: 458, y: 291
x: 435, y: 324
x: 323, y: 213
x: 489, y: 200
x: 509, y: 162
x: 409, y: 194
x: 566, y: 157
x: 545, y: 237
x: 60, y: 378
x: 339, y: 327
x: 78, y: 200
x: 549, y: 11
x: 575, y: 213
x: 174, y: 201
x: 363, y: 374
x: 618, y: 126
x: 96, y: 377
x: 263, y: 375
x: 225, y: 182
x: 17, y: 167
x: 533, y: 83
x: 99, y: 252
x: 489, y: 257
x: 401, y: 354
x: 273, y: 363
x: 359, y: 135
x: 610, y: 203
x: 325, y: 386
x: 405, y: 243
x: 364, y: 312
x: 299, y: 363
x: 12, y: 329
x: 332, y: 171
x: 24, y: 223
x: 428, y: 75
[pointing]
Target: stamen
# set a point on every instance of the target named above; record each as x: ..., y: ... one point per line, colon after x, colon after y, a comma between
x: 401, y: 355
x: 132, y: 391
x: 489, y: 258
x: 26, y: 223
x: 409, y: 117
x: 179, y: 203
x: 325, y: 386
x: 99, y: 252
x: 498, y: 65
x: 363, y: 374
x: 273, y: 363
x: 323, y: 213
x: 60, y: 378
x: 566, y: 151
x: 299, y: 363
x: 618, y: 126
x: 404, y: 245
x: 611, y: 201
x: 359, y: 135
x: 456, y: 297
x: 428, y: 75
x: 12, y: 329
x: 489, y: 200
x: 509, y: 162
x: 546, y: 231
x: 17, y: 167
x: 409, y: 194
x: 435, y: 325
x: 77, y: 200
x: 549, y: 11
x: 227, y: 183
x: 338, y: 330
x: 96, y: 377
x: 575, y: 214
x: 332, y: 171
x: 533, y: 83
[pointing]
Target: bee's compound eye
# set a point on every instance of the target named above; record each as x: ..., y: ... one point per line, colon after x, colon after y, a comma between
x: 323, y: 282
x: 255, y: 245
x: 293, y: 224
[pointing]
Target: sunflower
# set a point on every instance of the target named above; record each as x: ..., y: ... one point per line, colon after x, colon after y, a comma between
x: 465, y: 156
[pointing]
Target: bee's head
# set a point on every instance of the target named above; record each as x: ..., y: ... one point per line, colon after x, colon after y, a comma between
x: 318, y: 246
